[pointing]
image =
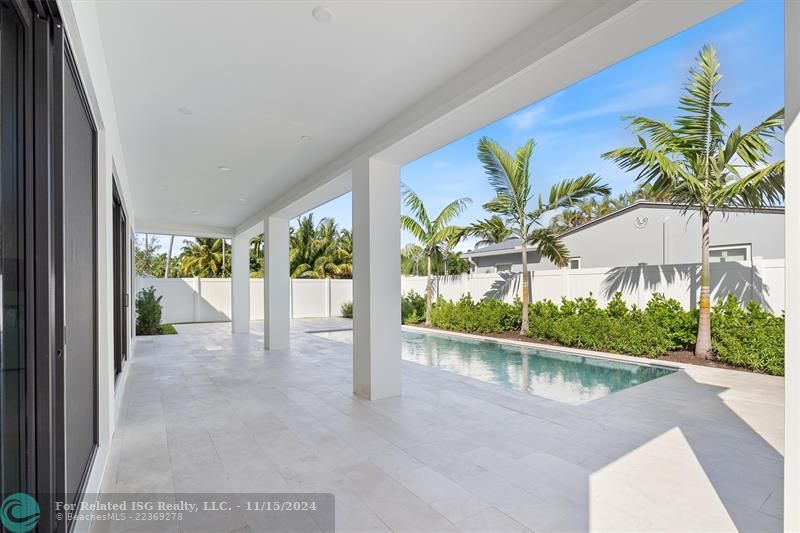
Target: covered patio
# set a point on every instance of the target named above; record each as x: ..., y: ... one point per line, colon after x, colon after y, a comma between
x: 205, y: 411
x: 228, y: 119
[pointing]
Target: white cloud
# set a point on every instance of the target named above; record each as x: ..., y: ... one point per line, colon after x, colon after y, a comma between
x: 624, y: 103
x: 440, y: 164
x: 525, y: 119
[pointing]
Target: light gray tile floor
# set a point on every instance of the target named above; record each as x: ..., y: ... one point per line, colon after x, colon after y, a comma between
x: 207, y: 411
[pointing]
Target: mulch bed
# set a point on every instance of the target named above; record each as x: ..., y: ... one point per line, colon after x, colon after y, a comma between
x: 681, y: 356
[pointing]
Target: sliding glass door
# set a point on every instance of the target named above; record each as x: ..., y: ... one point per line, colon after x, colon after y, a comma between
x: 80, y: 281
x: 48, y: 264
x: 121, y: 294
x: 14, y: 371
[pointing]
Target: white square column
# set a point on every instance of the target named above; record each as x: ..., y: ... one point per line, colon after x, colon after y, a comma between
x: 791, y: 463
x: 276, y: 284
x: 240, y: 284
x: 376, y: 279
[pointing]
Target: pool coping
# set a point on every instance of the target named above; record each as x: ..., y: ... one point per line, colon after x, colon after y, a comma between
x: 669, y: 365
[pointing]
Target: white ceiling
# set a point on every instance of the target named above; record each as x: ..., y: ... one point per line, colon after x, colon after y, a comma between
x: 257, y: 76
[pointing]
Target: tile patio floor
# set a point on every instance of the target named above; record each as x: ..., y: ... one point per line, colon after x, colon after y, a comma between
x: 205, y: 411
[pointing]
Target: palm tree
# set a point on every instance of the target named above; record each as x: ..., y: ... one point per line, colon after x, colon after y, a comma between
x: 410, y: 256
x: 320, y: 251
x: 434, y: 236
x: 703, y: 169
x: 510, y: 177
x: 169, y: 255
x: 492, y: 230
x: 202, y: 258
x: 257, y: 254
x: 584, y: 211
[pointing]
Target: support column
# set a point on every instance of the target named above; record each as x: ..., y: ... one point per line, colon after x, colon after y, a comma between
x: 376, y: 279
x: 791, y: 477
x: 240, y: 284
x: 276, y: 284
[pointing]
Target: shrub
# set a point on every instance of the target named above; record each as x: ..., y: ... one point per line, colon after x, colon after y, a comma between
x: 347, y: 309
x: 486, y: 316
x: 412, y: 308
x: 748, y: 337
x: 148, y: 312
x: 662, y: 326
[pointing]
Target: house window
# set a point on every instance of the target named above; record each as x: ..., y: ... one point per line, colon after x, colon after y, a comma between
x: 502, y: 267
x: 575, y: 263
x: 726, y: 254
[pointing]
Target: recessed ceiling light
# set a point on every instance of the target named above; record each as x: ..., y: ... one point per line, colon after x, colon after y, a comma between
x: 323, y: 15
x: 184, y: 111
x: 241, y: 199
x: 195, y: 212
x: 305, y: 138
x: 223, y: 168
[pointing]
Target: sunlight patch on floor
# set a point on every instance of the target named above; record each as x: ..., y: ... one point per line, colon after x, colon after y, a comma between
x: 662, y: 484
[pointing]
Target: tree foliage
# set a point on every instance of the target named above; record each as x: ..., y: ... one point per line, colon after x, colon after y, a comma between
x: 701, y: 168
x: 206, y: 258
x: 521, y: 213
x: 436, y: 236
x: 320, y: 250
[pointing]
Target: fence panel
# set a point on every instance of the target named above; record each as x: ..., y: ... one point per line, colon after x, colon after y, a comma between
x: 341, y: 292
x: 207, y: 300
x: 256, y: 299
x: 309, y: 299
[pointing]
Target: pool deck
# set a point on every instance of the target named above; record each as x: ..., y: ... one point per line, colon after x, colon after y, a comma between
x: 207, y: 411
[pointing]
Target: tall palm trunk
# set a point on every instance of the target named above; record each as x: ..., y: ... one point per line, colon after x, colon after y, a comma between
x: 169, y: 256
x: 429, y: 295
x: 525, y: 291
x: 703, y: 346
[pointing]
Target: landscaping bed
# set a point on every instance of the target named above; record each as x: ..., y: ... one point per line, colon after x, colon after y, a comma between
x: 743, y: 337
x: 678, y: 356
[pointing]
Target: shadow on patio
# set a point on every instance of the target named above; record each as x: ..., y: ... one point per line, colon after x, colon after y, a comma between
x: 206, y: 411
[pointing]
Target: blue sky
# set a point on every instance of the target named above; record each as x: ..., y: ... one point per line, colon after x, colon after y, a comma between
x: 574, y: 126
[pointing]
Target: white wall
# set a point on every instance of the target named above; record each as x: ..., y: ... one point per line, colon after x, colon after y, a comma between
x: 209, y: 300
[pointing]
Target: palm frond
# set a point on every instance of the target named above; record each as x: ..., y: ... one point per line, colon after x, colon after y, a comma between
x: 413, y: 227
x: 654, y: 166
x: 415, y: 204
x: 491, y: 230
x: 450, y: 211
x: 511, y: 186
x: 569, y: 191
x: 762, y: 187
x: 550, y: 245
x: 702, y: 126
x: 753, y: 147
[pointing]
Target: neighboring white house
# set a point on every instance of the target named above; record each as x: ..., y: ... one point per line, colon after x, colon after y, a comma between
x: 651, y: 233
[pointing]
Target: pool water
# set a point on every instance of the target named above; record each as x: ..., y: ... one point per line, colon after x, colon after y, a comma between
x: 553, y: 374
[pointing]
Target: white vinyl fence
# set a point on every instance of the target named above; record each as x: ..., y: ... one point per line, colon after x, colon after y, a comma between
x: 209, y: 299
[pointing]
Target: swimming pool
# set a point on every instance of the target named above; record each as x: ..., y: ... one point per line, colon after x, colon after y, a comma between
x: 554, y: 374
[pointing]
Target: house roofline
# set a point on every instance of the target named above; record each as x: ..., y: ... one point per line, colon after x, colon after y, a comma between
x: 618, y: 212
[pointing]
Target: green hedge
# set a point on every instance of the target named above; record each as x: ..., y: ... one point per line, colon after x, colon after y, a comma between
x: 660, y: 327
x: 748, y: 337
x: 412, y: 308
x: 486, y: 316
x: 148, y: 312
